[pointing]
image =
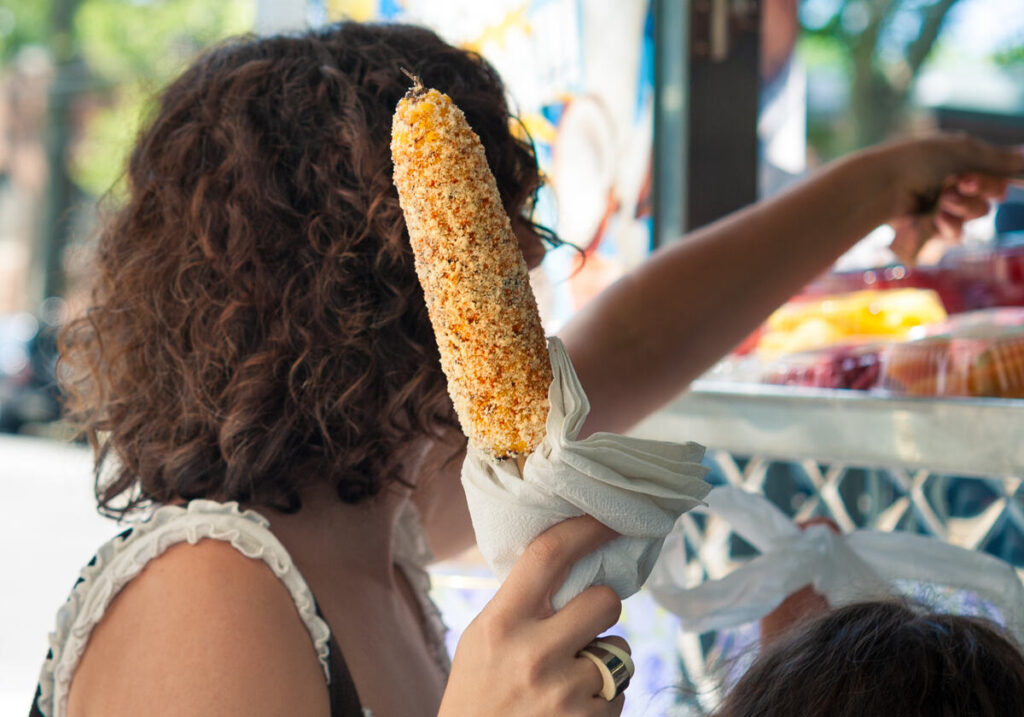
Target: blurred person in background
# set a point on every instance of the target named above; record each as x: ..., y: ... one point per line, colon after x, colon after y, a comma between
x: 257, y: 369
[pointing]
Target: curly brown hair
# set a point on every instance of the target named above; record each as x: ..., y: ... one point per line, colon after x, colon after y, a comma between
x: 256, y: 320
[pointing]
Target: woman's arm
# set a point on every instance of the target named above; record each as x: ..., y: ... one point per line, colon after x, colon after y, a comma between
x: 203, y: 630
x: 640, y: 342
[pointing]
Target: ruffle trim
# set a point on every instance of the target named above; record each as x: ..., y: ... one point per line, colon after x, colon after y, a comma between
x: 412, y: 555
x: 121, y: 559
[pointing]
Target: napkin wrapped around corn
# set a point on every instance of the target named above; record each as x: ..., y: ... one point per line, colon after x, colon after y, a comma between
x: 514, y: 395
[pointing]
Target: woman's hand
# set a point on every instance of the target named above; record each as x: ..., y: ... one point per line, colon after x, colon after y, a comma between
x: 519, y: 657
x: 940, y: 182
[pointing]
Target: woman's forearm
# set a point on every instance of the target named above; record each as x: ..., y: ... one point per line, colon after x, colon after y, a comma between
x: 644, y: 339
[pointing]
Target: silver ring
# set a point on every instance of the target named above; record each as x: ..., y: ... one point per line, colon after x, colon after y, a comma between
x: 615, y: 674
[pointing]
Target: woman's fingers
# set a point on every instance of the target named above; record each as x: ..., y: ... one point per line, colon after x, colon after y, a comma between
x: 518, y: 656
x: 590, y: 613
x: 798, y: 607
x: 965, y: 198
x: 911, y: 234
x: 973, y: 184
x: 949, y: 225
x: 591, y: 677
x: 586, y: 678
x: 544, y: 565
x: 966, y: 207
x: 618, y: 642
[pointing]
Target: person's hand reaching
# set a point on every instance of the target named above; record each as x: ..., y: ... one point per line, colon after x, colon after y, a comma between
x: 940, y: 182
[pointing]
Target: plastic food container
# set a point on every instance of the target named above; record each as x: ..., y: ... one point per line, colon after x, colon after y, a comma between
x: 922, y: 368
x: 999, y: 369
x: 856, y: 368
x: 986, y: 277
x: 943, y: 282
x: 979, y: 354
x: 974, y: 359
x: 859, y: 317
x: 966, y: 279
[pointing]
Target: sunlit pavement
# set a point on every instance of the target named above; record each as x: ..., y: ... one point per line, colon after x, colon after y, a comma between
x: 49, y: 529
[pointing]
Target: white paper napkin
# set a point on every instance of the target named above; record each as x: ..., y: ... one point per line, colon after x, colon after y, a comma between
x: 636, y: 487
x: 862, y: 565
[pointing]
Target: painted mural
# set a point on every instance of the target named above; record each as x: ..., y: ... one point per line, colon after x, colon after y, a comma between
x: 580, y: 75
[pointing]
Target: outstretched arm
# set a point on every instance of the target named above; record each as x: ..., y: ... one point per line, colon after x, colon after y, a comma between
x: 640, y: 342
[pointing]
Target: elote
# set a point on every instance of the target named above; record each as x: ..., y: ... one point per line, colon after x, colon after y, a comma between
x: 474, y: 278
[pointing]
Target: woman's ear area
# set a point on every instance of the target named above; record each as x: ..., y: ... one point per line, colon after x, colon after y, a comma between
x: 529, y: 242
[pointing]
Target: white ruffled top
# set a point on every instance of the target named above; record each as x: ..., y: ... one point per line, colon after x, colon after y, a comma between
x: 119, y: 560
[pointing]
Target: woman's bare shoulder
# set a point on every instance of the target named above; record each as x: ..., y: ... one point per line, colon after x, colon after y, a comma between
x: 202, y: 630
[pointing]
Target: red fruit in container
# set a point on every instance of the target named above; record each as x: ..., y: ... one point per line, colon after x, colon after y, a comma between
x: 848, y: 367
x: 986, y: 276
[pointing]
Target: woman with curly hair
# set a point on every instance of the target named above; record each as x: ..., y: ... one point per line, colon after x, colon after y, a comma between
x: 257, y: 368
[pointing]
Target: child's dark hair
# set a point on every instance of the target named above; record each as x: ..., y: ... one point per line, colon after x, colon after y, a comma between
x: 891, y: 658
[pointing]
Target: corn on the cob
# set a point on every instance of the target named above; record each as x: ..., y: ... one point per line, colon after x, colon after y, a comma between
x: 473, y: 275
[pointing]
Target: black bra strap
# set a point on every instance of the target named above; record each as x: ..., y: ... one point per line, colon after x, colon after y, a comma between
x: 344, y: 698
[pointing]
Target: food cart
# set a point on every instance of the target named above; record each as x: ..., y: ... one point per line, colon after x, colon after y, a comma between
x: 949, y: 464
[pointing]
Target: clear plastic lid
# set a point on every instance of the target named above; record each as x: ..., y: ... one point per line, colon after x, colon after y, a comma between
x: 967, y: 364
x: 854, y: 367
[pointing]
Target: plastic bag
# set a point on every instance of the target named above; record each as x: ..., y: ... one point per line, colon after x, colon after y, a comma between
x: 862, y: 565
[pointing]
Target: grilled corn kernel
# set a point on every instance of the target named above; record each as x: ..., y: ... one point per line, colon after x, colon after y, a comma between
x: 473, y: 275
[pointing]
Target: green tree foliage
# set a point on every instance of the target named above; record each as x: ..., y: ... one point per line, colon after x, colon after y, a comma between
x: 880, y: 56
x: 129, y: 49
x: 133, y: 48
x: 126, y: 41
x: 22, y: 23
x: 1012, y: 56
